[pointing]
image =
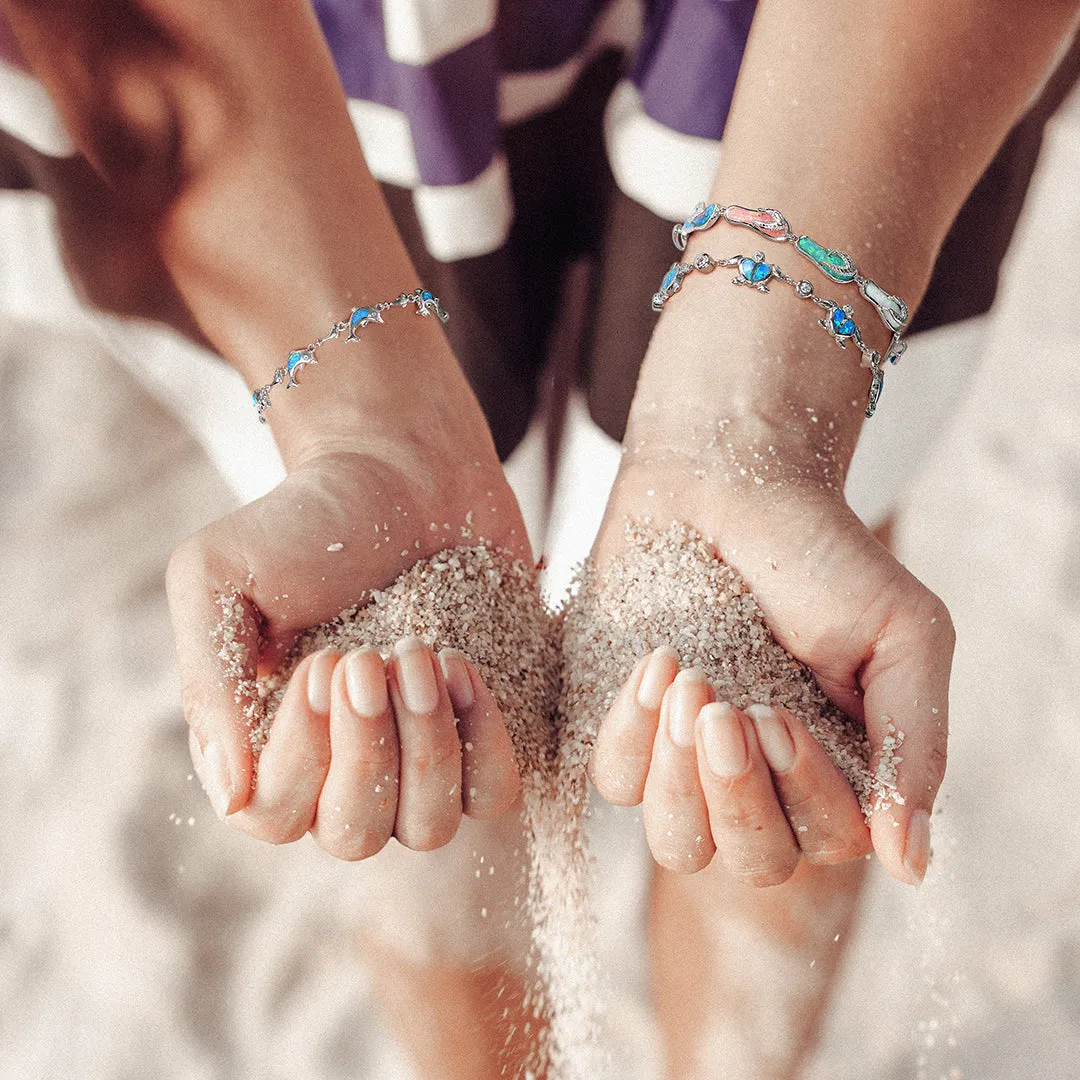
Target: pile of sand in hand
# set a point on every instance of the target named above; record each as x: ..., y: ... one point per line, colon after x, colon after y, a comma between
x: 489, y: 606
x: 671, y: 588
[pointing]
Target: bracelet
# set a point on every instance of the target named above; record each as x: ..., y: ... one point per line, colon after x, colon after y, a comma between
x: 836, y: 265
x: 426, y: 303
x: 755, y: 272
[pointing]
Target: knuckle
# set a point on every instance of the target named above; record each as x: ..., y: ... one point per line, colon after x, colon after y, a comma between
x: 432, y: 758
x: 276, y: 825
x: 352, y: 843
x: 774, y: 871
x: 833, y: 852
x: 744, y: 818
x: 683, y: 862
x: 936, y: 763
x: 428, y: 835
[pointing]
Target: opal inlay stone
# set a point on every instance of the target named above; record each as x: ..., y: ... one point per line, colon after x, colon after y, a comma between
x: 769, y: 223
x: 670, y: 278
x: 893, y: 310
x: 842, y: 323
x: 754, y: 272
x: 834, y: 264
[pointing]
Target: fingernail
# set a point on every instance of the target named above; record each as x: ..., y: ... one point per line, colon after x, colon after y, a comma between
x: 216, y: 780
x: 458, y: 684
x: 685, y: 705
x: 917, y: 845
x: 657, y: 678
x: 416, y: 676
x: 318, y: 682
x: 776, y: 742
x: 365, y: 683
x: 724, y: 739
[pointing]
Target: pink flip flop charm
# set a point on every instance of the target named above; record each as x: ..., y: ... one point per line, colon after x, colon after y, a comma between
x: 768, y: 223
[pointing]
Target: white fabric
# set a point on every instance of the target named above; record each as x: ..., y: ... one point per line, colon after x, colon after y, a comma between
x: 420, y: 31
x: 920, y: 399
x: 387, y: 142
x: 460, y: 221
x: 27, y: 112
x: 664, y: 170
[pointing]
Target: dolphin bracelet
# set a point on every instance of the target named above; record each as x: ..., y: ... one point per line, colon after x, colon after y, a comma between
x: 426, y: 304
x: 757, y: 273
x: 838, y: 266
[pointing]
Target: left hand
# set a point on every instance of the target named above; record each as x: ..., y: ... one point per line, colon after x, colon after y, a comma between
x: 754, y: 787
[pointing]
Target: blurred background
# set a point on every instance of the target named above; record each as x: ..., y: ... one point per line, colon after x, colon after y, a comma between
x: 139, y: 937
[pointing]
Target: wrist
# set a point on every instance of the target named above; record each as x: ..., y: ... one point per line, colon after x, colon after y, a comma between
x: 397, y: 385
x: 728, y: 364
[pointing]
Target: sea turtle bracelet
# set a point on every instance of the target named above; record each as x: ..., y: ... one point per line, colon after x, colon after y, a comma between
x: 836, y: 265
x: 757, y: 273
x: 426, y: 304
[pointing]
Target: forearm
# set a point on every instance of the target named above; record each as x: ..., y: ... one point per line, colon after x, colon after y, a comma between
x: 227, y: 128
x: 866, y: 125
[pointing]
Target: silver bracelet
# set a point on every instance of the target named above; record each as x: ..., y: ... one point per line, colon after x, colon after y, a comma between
x: 426, y: 304
x: 836, y: 265
x: 756, y: 273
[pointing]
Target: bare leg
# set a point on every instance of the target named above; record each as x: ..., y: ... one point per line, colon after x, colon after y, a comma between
x: 741, y: 976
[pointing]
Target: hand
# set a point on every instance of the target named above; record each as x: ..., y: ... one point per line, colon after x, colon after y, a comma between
x: 753, y: 787
x: 360, y: 749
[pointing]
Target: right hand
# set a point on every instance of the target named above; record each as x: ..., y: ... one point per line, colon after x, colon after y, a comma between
x: 360, y: 749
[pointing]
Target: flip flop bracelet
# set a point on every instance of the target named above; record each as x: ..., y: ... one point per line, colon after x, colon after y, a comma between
x: 838, y: 266
x: 426, y: 304
x: 757, y: 273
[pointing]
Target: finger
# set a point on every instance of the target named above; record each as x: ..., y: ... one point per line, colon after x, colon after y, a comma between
x: 906, y: 688
x: 822, y: 810
x: 751, y: 833
x: 294, y: 762
x: 489, y: 773
x: 676, y: 817
x: 217, y: 648
x: 429, y: 798
x: 624, y: 744
x: 358, y: 804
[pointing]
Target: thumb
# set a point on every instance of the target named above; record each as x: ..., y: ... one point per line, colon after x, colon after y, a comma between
x: 906, y: 710
x: 217, y: 646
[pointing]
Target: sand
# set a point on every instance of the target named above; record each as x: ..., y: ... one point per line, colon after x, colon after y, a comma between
x: 554, y: 676
x: 671, y: 588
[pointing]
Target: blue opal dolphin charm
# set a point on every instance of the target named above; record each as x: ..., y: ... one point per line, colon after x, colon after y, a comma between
x: 427, y: 303
x: 297, y: 360
x: 361, y: 317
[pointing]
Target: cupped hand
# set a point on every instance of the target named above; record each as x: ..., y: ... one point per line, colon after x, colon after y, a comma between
x: 753, y: 787
x: 361, y: 747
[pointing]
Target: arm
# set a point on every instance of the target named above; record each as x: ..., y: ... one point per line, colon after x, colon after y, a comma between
x: 866, y: 125
x: 224, y: 130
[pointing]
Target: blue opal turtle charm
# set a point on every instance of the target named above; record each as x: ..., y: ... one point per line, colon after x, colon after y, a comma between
x: 754, y: 272
x: 297, y: 360
x: 840, y: 325
x: 361, y: 317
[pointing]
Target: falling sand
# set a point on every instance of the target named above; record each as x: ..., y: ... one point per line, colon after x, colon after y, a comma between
x: 555, y: 676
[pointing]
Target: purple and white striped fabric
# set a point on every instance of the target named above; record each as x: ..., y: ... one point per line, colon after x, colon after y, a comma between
x: 432, y: 83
